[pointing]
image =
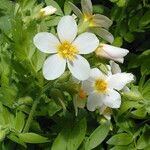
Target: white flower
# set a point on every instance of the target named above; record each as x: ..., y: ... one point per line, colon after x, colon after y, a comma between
x: 112, y: 52
x: 101, y: 88
x: 66, y: 50
x: 48, y: 10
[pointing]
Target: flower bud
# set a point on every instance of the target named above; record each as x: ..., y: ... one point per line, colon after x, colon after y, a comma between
x: 111, y: 52
x: 48, y: 10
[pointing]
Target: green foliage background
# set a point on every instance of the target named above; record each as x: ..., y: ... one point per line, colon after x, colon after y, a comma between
x: 51, y: 123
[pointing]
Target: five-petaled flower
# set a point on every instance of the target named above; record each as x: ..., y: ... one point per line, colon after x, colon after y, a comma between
x: 97, y: 23
x: 66, y: 50
x: 103, y: 89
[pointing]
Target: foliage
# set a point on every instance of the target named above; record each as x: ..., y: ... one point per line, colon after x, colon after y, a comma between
x: 39, y: 114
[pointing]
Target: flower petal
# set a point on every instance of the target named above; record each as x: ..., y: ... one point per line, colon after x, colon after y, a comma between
x: 54, y: 67
x: 87, y: 7
x: 86, y: 43
x: 97, y: 74
x: 46, y: 42
x: 94, y: 101
x: 79, y: 68
x: 119, y: 80
x: 102, y: 21
x: 76, y: 10
x: 115, y: 67
x: 87, y: 85
x: 67, y: 29
x: 113, y: 99
x: 103, y: 33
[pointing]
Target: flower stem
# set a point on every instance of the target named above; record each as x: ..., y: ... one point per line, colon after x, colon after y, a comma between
x: 34, y: 106
x: 30, y: 118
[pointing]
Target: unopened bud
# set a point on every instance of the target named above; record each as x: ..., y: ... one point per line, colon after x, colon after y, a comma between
x: 48, y: 10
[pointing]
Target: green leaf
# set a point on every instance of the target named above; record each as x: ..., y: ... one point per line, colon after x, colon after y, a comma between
x: 53, y: 21
x: 67, y: 8
x: 32, y: 138
x: 118, y: 42
x: 13, y: 137
x: 144, y: 140
x: 54, y: 4
x: 139, y: 113
x: 120, y: 139
x: 146, y: 90
x: 124, y: 147
x: 145, y: 20
x: 19, y: 121
x: 53, y: 108
x: 129, y: 37
x: 98, y: 136
x: 2, y: 135
x: 77, y: 135
x: 38, y: 60
x: 121, y: 3
x: 70, y: 138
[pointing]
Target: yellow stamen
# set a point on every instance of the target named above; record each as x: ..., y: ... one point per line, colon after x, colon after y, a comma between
x: 90, y: 19
x: 67, y: 51
x: 82, y: 94
x: 87, y: 17
x: 101, y: 85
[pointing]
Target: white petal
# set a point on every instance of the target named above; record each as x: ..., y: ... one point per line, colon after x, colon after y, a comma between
x: 114, y: 52
x: 79, y: 68
x: 86, y: 43
x: 67, y: 29
x: 113, y: 99
x: 87, y: 85
x: 95, y: 73
x: 102, y: 21
x: 46, y: 42
x: 121, y: 60
x: 103, y: 33
x: 115, y: 67
x: 87, y: 7
x: 119, y: 80
x: 54, y: 67
x: 94, y: 101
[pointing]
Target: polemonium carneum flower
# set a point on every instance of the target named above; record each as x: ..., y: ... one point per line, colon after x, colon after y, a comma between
x: 97, y: 23
x: 66, y: 50
x: 103, y: 89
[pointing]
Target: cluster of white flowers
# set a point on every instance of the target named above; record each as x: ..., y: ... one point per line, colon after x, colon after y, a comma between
x: 98, y: 90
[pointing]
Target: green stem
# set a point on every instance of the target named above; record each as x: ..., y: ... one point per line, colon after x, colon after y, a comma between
x: 30, y: 118
x: 34, y: 106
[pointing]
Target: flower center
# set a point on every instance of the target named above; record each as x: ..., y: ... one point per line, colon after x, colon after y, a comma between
x: 90, y: 19
x: 101, y: 85
x: 67, y: 51
x: 87, y: 17
x: 82, y: 94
